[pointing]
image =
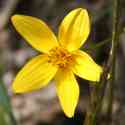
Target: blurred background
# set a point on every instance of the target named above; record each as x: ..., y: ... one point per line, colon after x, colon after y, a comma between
x: 42, y: 107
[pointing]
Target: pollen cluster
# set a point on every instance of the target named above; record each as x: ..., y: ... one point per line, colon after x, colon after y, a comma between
x: 61, y: 57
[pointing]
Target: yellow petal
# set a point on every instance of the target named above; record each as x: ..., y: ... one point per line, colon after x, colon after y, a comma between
x: 68, y: 91
x: 35, y: 31
x: 85, y: 67
x: 34, y: 75
x: 74, y: 29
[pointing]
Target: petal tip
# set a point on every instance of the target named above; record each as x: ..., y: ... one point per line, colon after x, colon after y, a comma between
x: 14, y: 17
x: 79, y: 8
x: 15, y: 89
x: 70, y: 114
x: 82, y: 10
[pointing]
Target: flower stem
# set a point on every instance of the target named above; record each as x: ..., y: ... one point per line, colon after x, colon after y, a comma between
x: 97, y: 96
x: 113, y: 56
x: 91, y: 118
x: 102, y: 43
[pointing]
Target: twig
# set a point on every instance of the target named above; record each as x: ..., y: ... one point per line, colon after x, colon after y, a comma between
x: 102, y: 43
x: 113, y: 55
x: 99, y: 92
x: 97, y: 96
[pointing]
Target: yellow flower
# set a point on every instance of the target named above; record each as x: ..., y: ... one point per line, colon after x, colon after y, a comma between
x: 61, y: 57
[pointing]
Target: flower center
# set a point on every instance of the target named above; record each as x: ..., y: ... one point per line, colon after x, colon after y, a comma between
x: 61, y: 57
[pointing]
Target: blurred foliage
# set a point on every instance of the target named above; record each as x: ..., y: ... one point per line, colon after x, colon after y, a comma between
x: 6, y: 114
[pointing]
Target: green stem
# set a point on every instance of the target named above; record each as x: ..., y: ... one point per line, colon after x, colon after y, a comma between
x: 113, y: 56
x: 100, y: 93
x: 92, y: 105
x: 91, y: 118
x: 100, y: 44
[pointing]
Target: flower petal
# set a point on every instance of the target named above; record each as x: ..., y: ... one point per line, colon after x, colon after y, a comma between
x: 34, y: 75
x: 74, y: 29
x: 68, y: 91
x: 35, y: 31
x: 86, y: 68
